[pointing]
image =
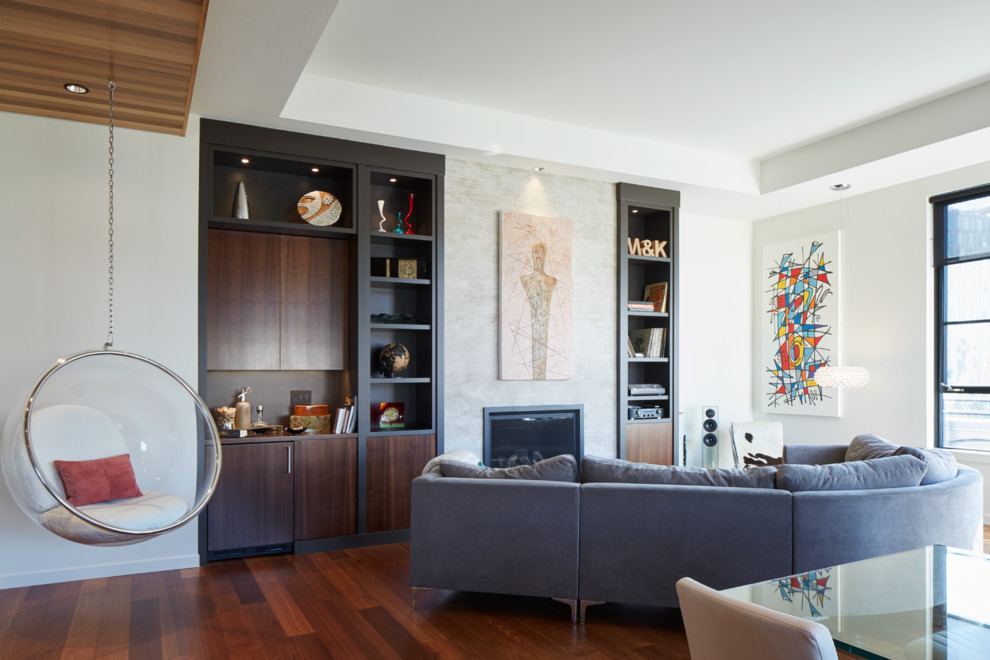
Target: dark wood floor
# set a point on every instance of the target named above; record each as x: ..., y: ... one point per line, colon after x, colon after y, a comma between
x: 344, y: 604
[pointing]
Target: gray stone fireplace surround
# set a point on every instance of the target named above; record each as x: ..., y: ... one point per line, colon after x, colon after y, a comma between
x: 523, y: 435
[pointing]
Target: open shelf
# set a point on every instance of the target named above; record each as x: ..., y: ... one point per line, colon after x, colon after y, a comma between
x: 647, y: 244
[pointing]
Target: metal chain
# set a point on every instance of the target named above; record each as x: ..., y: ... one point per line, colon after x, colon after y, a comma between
x: 109, y: 343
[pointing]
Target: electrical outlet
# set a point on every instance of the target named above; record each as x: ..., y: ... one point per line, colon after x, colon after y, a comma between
x: 300, y: 397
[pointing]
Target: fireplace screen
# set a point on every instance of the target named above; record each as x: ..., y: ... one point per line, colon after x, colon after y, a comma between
x: 526, y: 435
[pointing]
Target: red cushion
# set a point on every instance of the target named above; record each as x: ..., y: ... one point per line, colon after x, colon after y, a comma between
x: 99, y: 480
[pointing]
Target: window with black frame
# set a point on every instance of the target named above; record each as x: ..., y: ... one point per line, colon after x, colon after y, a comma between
x: 962, y: 318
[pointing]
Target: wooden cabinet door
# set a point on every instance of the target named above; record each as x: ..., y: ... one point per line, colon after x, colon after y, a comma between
x: 650, y: 443
x: 314, y: 293
x: 326, y: 487
x: 392, y: 462
x: 242, y: 309
x: 252, y: 505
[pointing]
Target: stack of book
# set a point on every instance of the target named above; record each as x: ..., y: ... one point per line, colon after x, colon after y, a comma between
x: 651, y: 342
x: 640, y: 306
x: 657, y: 295
x: 347, y: 416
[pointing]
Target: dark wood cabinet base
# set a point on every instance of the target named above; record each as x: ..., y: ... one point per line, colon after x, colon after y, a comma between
x: 393, y: 462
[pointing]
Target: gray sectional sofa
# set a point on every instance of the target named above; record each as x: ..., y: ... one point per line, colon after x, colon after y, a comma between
x: 591, y: 541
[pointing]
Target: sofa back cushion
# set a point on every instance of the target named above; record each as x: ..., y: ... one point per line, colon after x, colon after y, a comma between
x: 556, y: 468
x: 941, y: 464
x: 866, y: 446
x: 887, y: 472
x: 595, y: 469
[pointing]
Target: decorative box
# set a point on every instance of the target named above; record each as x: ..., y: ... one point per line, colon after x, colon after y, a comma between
x: 317, y: 423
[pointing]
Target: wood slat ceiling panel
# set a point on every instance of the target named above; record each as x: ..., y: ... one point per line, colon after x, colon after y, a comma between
x: 150, y: 49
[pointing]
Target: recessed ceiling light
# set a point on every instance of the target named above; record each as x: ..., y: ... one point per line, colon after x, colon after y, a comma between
x: 245, y: 160
x: 538, y: 169
x: 76, y: 88
x: 316, y: 169
x: 635, y: 210
x: 392, y: 180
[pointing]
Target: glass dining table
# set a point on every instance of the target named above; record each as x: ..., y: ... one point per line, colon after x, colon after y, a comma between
x: 930, y: 603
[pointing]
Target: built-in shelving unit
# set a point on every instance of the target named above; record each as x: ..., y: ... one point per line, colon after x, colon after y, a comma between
x: 286, y: 306
x: 647, y: 255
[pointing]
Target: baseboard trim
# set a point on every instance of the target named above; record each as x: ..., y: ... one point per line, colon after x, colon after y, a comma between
x: 98, y: 571
x: 355, y: 541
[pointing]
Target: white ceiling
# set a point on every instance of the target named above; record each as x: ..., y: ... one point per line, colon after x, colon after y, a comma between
x: 751, y: 109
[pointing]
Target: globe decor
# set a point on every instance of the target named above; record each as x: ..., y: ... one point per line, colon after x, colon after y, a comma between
x: 393, y: 360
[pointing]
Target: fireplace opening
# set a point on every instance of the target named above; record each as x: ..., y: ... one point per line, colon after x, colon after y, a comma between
x: 523, y: 435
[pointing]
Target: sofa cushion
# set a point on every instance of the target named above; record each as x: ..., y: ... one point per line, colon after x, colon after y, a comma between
x: 941, y: 464
x: 556, y: 468
x: 887, y: 472
x: 595, y: 469
x: 460, y: 455
x: 867, y: 446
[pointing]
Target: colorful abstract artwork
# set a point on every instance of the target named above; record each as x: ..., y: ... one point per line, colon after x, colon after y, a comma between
x: 810, y: 592
x: 801, y: 323
x: 536, y: 298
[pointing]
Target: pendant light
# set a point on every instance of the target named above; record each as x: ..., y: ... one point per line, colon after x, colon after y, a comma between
x: 841, y: 376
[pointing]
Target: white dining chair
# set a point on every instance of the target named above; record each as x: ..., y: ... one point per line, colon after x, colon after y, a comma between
x: 720, y: 627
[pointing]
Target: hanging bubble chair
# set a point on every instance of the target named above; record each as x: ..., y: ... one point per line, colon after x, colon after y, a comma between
x: 108, y: 447
x: 111, y: 448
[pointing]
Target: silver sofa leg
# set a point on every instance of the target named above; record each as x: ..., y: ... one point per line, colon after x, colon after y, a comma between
x: 584, y: 606
x: 573, y: 604
x: 416, y: 590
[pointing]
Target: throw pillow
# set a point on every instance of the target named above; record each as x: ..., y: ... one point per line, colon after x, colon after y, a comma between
x: 99, y: 480
x: 556, y: 468
x: 941, y: 463
x: 867, y: 446
x: 612, y: 470
x: 460, y: 455
x: 887, y: 472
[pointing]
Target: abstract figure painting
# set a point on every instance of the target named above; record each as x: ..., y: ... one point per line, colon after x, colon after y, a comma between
x: 535, y: 307
x: 800, y: 327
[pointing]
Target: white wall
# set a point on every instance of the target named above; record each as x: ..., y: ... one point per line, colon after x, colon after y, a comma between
x: 715, y: 326
x: 53, y: 215
x: 886, y: 319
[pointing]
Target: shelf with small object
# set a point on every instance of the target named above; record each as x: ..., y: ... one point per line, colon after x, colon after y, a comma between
x: 646, y: 318
x: 402, y: 206
x: 401, y: 355
x: 400, y: 261
x: 392, y: 327
x: 414, y: 304
x: 648, y: 397
x: 266, y: 193
x: 401, y: 409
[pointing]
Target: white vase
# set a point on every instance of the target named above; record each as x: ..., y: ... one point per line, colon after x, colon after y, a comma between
x: 241, y: 202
